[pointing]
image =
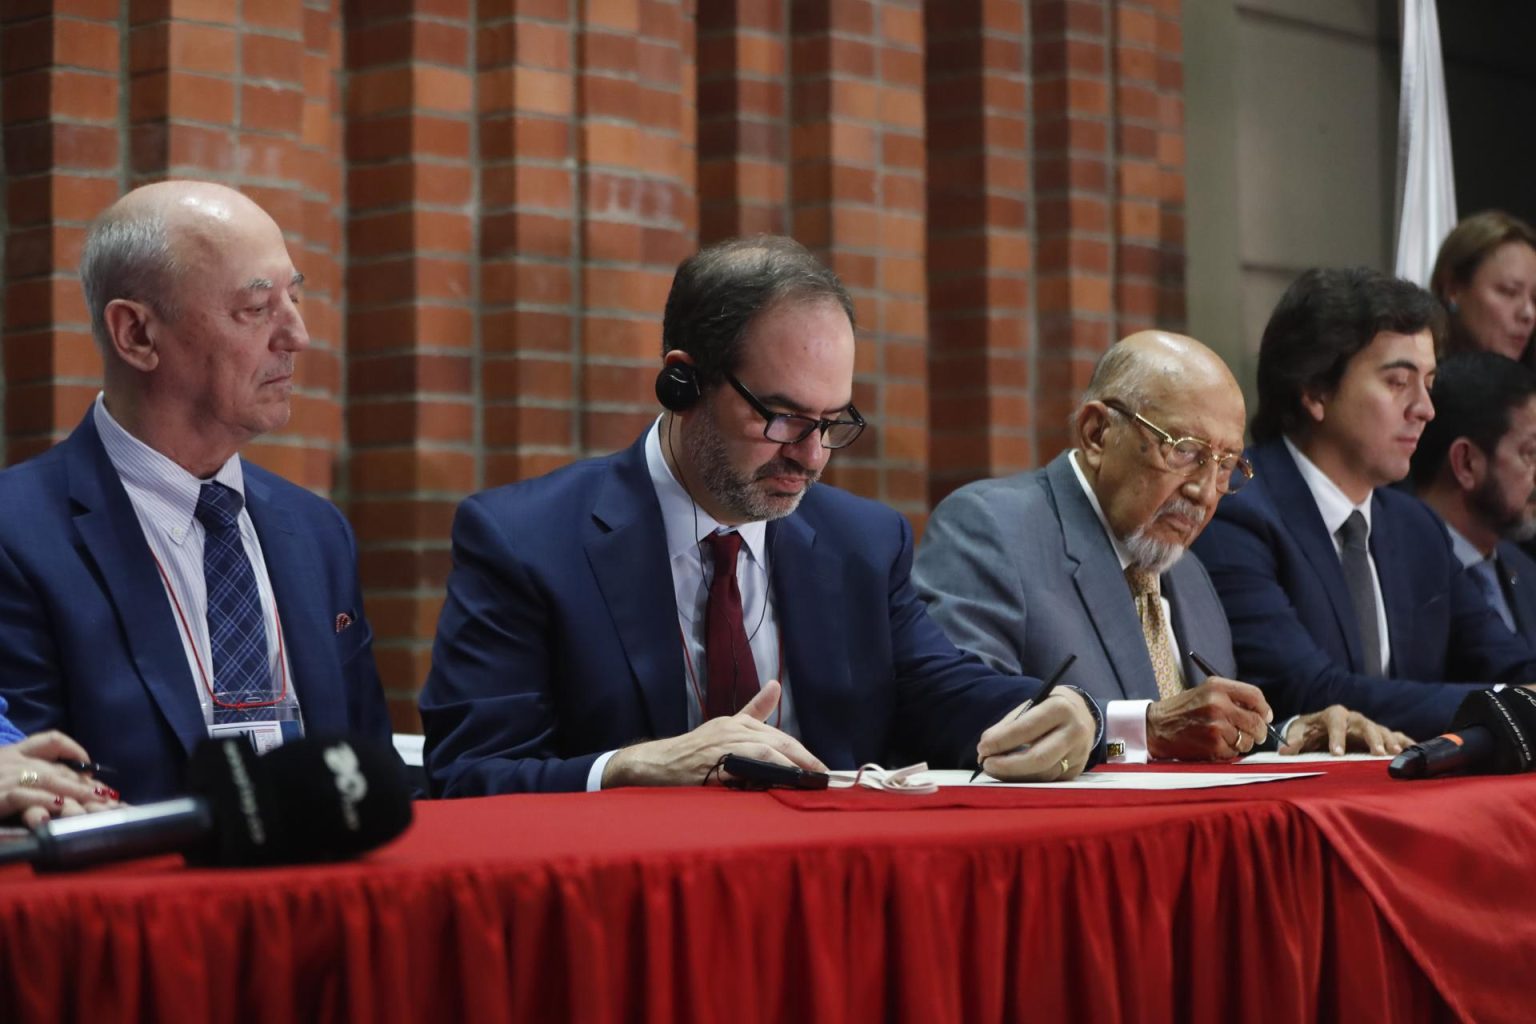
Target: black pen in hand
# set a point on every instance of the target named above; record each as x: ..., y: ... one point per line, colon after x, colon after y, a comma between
x: 83, y: 767
x: 1045, y: 692
x: 1205, y: 667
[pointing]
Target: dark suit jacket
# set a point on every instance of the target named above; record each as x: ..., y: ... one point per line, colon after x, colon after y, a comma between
x: 1293, y: 627
x: 1020, y: 571
x: 89, y: 643
x: 559, y: 639
x: 1520, y: 588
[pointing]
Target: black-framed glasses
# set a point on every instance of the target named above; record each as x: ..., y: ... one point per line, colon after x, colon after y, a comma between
x: 787, y: 428
x: 1190, y: 455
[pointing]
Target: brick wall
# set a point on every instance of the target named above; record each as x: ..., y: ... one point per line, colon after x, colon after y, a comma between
x: 488, y: 198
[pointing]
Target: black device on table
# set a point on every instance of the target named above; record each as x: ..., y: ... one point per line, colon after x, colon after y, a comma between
x: 750, y: 773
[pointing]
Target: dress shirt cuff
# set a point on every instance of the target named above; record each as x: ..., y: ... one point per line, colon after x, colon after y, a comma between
x: 1126, y: 730
x: 595, y: 774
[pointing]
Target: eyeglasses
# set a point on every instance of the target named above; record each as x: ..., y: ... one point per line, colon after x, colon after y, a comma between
x: 1190, y: 455
x: 787, y: 428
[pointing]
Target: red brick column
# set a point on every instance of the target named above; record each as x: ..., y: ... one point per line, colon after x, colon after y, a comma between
x: 638, y: 202
x: 587, y: 143
x: 979, y: 245
x: 218, y: 92
x: 60, y: 81
x: 1073, y: 201
x: 1149, y: 133
x: 858, y: 194
x: 411, y: 354
x: 743, y: 88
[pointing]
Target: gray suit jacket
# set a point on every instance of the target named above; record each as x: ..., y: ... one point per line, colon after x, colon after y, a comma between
x: 1020, y: 571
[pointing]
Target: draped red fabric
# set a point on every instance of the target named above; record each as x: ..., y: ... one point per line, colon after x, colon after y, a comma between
x: 1340, y: 897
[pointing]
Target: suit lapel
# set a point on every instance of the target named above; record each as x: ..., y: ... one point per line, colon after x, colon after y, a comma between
x: 1100, y: 582
x: 1517, y: 591
x: 109, y: 529
x: 1299, y: 516
x: 1392, y: 574
x: 807, y: 588
x: 294, y: 569
x: 629, y: 560
x: 1190, y: 629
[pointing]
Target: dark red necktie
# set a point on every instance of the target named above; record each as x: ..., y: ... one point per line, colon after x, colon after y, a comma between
x: 728, y: 656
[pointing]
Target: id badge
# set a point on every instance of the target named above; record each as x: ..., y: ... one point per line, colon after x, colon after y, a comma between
x: 262, y: 736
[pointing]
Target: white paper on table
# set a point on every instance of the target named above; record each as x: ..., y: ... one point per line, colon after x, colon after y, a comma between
x: 1271, y: 757
x: 1124, y: 780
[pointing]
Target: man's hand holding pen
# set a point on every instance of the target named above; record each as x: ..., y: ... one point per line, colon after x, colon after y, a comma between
x: 1219, y: 720
x: 1047, y: 739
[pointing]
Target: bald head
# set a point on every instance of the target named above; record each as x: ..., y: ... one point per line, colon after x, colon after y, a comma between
x: 1147, y: 389
x: 138, y: 247
x: 1148, y: 367
x: 194, y: 302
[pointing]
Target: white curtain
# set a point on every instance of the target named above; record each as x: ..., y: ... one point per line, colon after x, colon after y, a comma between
x: 1425, y: 183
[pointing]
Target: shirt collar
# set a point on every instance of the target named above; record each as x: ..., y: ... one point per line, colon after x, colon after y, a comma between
x: 1466, y: 551
x: 685, y: 522
x: 1333, y: 504
x: 155, y: 476
x: 1093, y: 499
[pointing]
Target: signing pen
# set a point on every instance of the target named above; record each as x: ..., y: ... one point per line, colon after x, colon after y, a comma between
x: 84, y: 767
x: 1045, y: 692
x: 1205, y: 667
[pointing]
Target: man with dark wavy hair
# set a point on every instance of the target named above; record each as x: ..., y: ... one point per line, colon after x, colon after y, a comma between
x: 1338, y: 588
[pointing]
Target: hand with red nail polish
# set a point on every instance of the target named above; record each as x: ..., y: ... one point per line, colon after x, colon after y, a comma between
x: 35, y: 787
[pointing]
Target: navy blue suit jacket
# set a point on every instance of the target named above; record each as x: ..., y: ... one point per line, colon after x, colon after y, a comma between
x: 1293, y: 627
x: 559, y: 638
x: 89, y: 643
x: 1520, y: 588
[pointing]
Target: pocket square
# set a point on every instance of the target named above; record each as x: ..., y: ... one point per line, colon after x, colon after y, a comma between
x: 343, y: 620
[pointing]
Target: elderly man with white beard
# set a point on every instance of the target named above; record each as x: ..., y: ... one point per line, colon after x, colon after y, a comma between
x: 1087, y: 557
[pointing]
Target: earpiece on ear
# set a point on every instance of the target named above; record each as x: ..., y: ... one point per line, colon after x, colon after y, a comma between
x: 677, y: 387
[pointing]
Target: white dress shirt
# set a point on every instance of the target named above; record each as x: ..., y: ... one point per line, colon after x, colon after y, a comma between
x: 164, y: 497
x: 686, y: 526
x: 1335, y: 507
x: 1125, y: 721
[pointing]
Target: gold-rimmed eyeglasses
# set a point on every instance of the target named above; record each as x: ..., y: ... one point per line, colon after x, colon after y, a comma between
x: 1190, y: 455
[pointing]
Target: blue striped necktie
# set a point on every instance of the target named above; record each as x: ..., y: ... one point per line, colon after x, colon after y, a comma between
x: 237, y: 632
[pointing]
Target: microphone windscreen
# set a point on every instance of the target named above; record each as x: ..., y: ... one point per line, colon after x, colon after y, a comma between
x: 1510, y: 718
x: 309, y: 800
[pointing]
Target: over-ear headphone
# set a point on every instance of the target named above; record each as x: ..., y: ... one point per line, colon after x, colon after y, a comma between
x: 677, y: 387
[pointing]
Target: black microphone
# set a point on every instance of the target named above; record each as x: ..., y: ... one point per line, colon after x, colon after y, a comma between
x: 1469, y: 749
x: 308, y: 800
x: 1493, y: 731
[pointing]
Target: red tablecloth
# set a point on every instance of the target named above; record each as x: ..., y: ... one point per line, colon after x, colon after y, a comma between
x: 1341, y: 897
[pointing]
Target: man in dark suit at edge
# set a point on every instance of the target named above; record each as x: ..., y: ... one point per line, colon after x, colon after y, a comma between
x: 1476, y: 467
x: 155, y: 589
x: 1340, y: 589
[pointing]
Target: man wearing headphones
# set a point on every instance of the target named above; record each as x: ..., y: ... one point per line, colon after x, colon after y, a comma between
x: 630, y: 620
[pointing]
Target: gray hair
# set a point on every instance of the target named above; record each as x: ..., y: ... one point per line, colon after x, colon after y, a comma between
x: 127, y: 256
x: 1124, y: 372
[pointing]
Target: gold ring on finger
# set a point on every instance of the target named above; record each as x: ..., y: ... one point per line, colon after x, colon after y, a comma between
x: 1066, y: 766
x: 29, y: 778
